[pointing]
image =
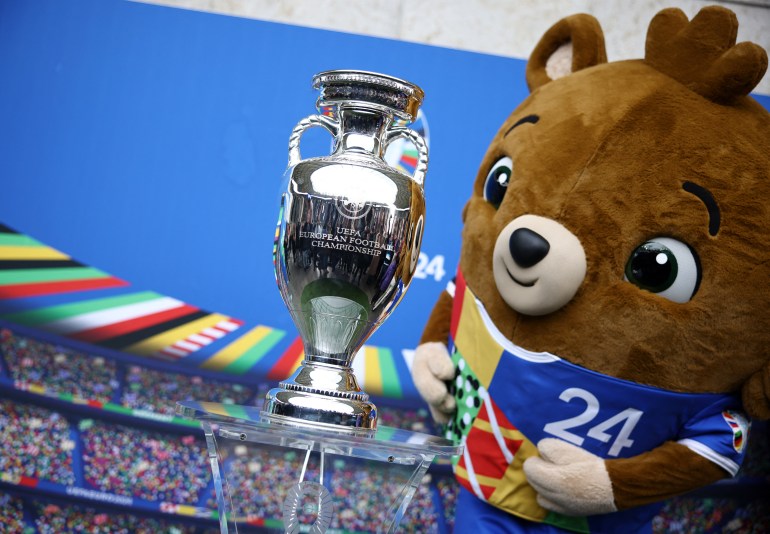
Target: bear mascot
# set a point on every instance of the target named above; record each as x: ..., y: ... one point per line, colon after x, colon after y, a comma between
x: 605, y: 342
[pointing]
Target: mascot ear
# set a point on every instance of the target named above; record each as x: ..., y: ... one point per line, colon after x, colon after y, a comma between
x: 756, y: 394
x: 574, y: 43
x: 702, y: 55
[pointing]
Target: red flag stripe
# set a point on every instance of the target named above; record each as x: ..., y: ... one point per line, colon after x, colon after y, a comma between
x: 286, y: 362
x: 101, y: 333
x: 487, y: 491
x: 28, y: 482
x: 172, y: 353
x: 409, y: 160
x: 198, y: 340
x: 16, y: 291
x: 491, y: 462
x: 511, y: 444
x: 502, y: 420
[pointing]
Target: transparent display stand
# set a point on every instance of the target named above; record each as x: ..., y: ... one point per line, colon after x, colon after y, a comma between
x: 287, y: 476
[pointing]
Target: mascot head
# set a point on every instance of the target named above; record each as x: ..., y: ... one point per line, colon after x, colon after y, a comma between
x: 621, y: 215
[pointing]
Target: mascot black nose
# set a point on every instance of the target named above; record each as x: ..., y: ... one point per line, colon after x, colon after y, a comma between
x: 527, y: 247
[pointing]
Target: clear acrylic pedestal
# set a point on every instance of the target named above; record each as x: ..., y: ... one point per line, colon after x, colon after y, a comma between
x: 291, y: 476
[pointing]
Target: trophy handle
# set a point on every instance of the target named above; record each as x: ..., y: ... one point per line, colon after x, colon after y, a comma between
x: 330, y: 124
x: 422, y: 150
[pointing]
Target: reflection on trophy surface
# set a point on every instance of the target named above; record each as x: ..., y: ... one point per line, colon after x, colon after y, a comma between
x: 349, y: 237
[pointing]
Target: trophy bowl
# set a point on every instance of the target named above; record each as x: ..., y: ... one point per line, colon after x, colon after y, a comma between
x: 349, y: 236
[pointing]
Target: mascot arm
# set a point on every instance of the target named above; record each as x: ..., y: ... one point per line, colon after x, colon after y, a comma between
x: 669, y: 470
x: 756, y: 393
x: 572, y: 481
x: 432, y: 366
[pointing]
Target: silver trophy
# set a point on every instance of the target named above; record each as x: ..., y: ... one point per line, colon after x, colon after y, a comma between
x: 349, y: 238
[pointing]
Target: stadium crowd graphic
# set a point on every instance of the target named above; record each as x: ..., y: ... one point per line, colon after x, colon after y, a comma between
x: 155, y: 391
x: 65, y: 446
x: 55, y: 519
x: 36, y: 443
x: 132, y: 462
x: 361, y: 491
x: 52, y: 368
x: 52, y: 519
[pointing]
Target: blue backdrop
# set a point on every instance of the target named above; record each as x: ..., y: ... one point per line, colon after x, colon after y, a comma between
x: 150, y: 142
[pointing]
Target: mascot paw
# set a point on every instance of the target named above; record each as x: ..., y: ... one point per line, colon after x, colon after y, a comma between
x: 569, y: 480
x: 431, y: 369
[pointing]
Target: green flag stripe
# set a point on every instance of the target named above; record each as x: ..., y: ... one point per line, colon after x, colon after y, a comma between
x: 236, y: 411
x: 29, y: 276
x: 384, y: 433
x: 62, y: 311
x: 247, y: 360
x: 117, y: 408
x: 391, y: 387
x: 185, y: 422
x: 18, y: 240
x: 576, y: 523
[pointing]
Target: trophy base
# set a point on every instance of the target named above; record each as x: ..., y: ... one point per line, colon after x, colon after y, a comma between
x: 294, y: 478
x: 322, y: 394
x: 299, y: 408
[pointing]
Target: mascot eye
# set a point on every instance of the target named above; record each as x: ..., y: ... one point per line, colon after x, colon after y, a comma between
x: 497, y: 180
x: 665, y: 266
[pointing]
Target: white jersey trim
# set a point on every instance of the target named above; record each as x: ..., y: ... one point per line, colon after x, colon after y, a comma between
x: 508, y: 345
x: 450, y: 288
x: 484, y: 394
x: 471, y: 472
x: 709, y: 454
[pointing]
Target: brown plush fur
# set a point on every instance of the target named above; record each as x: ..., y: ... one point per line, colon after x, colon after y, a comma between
x: 607, y: 159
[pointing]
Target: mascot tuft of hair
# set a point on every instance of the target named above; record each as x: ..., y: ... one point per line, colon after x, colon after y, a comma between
x: 606, y: 341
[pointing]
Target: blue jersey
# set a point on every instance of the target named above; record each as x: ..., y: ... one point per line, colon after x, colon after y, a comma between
x: 509, y: 399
